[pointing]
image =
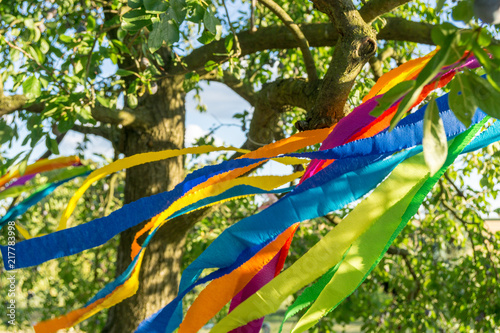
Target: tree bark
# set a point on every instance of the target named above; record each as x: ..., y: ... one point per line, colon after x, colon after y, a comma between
x: 160, y: 271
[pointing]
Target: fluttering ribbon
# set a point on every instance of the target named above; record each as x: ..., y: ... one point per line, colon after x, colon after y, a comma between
x: 36, y: 197
x: 389, y: 201
x: 355, y: 157
x: 40, y: 166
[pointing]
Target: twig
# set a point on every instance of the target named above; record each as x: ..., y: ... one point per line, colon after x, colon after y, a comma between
x: 51, y: 73
x: 235, y: 36
x: 298, y: 34
x: 460, y: 193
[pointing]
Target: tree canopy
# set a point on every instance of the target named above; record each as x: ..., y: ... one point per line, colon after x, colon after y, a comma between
x: 122, y: 70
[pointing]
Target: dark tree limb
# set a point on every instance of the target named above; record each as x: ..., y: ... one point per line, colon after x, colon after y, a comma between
x: 12, y: 103
x: 279, y: 37
x: 127, y: 117
x: 376, y: 63
x: 107, y: 132
x: 242, y: 88
x: 356, y: 44
x: 298, y: 34
x: 375, y: 8
x: 271, y: 101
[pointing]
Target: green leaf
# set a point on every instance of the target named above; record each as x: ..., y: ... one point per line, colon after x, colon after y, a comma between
x: 6, y: 132
x: 135, y: 20
x: 485, y: 96
x: 91, y: 24
x: 439, y: 5
x: 155, y: 6
x: 461, y: 99
x: 44, y: 46
x: 32, y: 88
x: 163, y: 30
x: 428, y: 73
x: 483, y: 38
x: 134, y: 4
x: 177, y: 10
x: 28, y: 23
x: 442, y: 32
x: 391, y: 96
x: 66, y: 39
x: 103, y: 101
x: 132, y: 101
x: 211, y: 22
x: 52, y: 145
x: 124, y: 72
x: 404, y: 106
x: 463, y: 11
x: 434, y: 142
x: 23, y: 165
x: 210, y: 65
x: 7, y: 18
x: 120, y: 46
x: 197, y: 14
x: 228, y: 42
x: 206, y: 37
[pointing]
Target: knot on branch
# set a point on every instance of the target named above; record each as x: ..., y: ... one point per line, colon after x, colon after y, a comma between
x: 366, y: 48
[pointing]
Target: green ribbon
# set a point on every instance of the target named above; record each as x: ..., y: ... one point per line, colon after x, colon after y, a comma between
x: 372, y: 225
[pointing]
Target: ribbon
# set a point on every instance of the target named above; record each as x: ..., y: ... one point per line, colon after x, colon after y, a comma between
x: 33, y: 199
x: 220, y: 291
x: 40, y: 166
x: 403, y: 182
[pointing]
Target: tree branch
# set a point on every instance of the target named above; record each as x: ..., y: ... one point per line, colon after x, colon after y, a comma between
x: 10, y: 104
x: 271, y: 101
x: 279, y: 37
x: 126, y: 117
x: 299, y: 37
x: 357, y: 43
x: 238, y: 86
x: 377, y: 62
x: 107, y: 132
x: 375, y: 8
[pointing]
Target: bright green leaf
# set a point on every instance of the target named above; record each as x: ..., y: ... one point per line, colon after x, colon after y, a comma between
x: 44, y: 46
x: 461, y: 100
x: 391, y: 96
x: 135, y: 20
x: 135, y: 4
x: 485, y: 96
x: 439, y: 5
x: 164, y: 30
x: 155, y: 6
x: 91, y: 24
x: 28, y: 23
x: 228, y: 42
x: 32, y: 88
x: 211, y: 22
x: 434, y: 142
x: 177, y: 10
x: 124, y: 72
x: 103, y: 101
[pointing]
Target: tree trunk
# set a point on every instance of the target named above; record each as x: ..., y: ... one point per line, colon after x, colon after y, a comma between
x: 160, y: 271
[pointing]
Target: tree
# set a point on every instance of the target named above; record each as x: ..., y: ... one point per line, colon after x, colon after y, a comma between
x: 56, y: 50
